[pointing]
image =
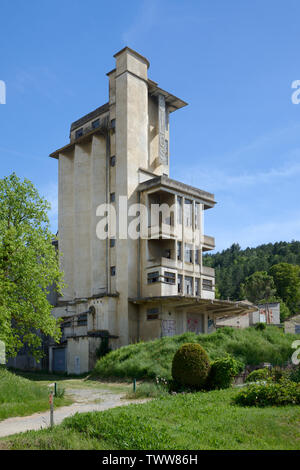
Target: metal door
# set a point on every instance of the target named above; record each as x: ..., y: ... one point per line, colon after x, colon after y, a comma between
x: 59, y: 359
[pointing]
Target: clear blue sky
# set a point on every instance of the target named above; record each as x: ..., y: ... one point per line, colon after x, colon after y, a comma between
x: 233, y: 61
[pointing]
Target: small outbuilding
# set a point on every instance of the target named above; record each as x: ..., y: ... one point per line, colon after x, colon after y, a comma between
x: 292, y: 324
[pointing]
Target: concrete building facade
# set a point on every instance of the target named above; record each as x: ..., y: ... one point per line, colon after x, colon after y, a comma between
x: 124, y: 289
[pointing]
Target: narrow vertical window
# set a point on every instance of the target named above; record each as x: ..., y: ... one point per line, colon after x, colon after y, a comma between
x: 179, y: 246
x: 179, y: 210
x: 188, y: 209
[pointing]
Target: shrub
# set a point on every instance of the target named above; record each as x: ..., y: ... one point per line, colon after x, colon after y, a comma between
x: 258, y: 374
x: 277, y: 374
x: 294, y: 375
x: 222, y: 372
x: 260, y: 326
x: 285, y: 392
x: 190, y: 366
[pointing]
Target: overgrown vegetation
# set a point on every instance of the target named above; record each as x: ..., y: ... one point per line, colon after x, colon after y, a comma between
x: 21, y: 397
x: 222, y: 372
x: 190, y: 421
x: 234, y: 265
x: 258, y: 375
x: 154, y: 358
x: 284, y: 392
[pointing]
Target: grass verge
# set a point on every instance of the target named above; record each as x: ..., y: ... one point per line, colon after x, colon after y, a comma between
x: 22, y: 397
x: 185, y: 421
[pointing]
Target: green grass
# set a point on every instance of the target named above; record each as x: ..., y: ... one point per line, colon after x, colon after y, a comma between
x: 150, y: 359
x: 76, y: 382
x: 21, y: 397
x: 148, y: 390
x: 185, y: 421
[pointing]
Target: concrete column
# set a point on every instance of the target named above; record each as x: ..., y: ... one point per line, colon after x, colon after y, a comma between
x: 131, y: 153
x: 82, y: 227
x: 97, y: 187
x: 66, y: 220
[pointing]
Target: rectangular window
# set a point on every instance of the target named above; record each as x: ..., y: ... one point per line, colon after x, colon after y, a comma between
x: 113, y: 123
x: 197, y: 286
x: 207, y: 284
x: 169, y: 278
x: 113, y: 271
x: 188, y: 285
x: 66, y: 324
x: 153, y: 277
x: 188, y: 253
x: 197, y: 257
x: 188, y: 210
x: 112, y: 197
x: 82, y: 319
x: 179, y: 210
x: 166, y: 149
x: 179, y: 246
x: 96, y: 124
x: 78, y: 133
x: 112, y: 242
x: 152, y: 313
x: 197, y: 215
x: 179, y: 283
x: 113, y: 160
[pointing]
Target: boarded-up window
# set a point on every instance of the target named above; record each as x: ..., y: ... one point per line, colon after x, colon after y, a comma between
x: 153, y: 277
x: 169, y: 278
x: 82, y: 319
x: 152, y: 314
x: 168, y: 328
x: 207, y: 284
x: 195, y: 323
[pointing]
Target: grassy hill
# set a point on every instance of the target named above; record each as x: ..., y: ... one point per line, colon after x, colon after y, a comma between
x: 22, y: 397
x: 151, y: 359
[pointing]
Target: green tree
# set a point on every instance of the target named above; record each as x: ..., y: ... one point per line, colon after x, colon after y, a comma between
x: 28, y: 266
x: 287, y: 281
x: 258, y: 286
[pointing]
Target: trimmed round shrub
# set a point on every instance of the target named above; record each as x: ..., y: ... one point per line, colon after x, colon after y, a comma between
x: 222, y: 372
x: 285, y: 392
x: 258, y: 374
x: 190, y: 366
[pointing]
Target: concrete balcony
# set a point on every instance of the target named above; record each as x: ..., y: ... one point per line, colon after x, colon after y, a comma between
x: 208, y: 243
x: 206, y: 271
x: 161, y: 261
x: 164, y: 231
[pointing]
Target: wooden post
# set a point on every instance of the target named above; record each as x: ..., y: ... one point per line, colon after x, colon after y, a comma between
x: 51, y: 409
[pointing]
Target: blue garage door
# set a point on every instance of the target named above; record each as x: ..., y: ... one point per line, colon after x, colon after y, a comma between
x: 297, y: 329
x: 59, y: 360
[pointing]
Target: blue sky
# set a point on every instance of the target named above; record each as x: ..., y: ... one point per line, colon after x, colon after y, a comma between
x: 233, y: 61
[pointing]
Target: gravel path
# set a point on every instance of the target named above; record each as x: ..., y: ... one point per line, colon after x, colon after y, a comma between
x: 85, y: 400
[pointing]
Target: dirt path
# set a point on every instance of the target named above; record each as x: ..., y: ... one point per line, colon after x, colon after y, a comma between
x: 85, y: 400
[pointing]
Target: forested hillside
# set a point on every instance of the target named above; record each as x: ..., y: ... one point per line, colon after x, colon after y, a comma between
x: 234, y: 265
